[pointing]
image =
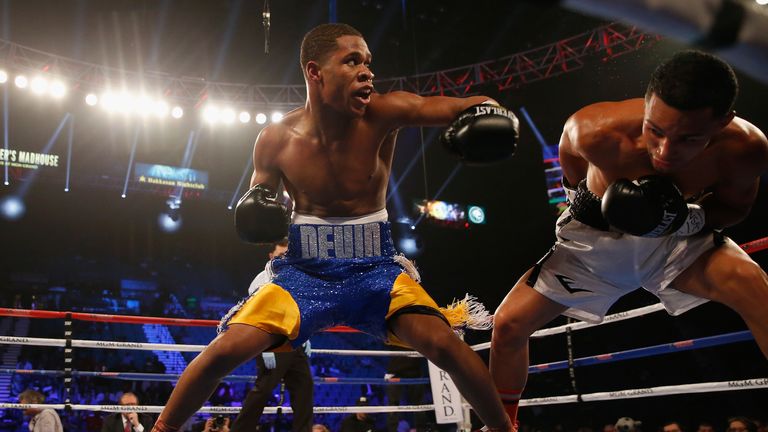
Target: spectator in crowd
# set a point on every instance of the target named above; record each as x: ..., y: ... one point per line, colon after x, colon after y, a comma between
x: 627, y: 424
x: 218, y: 424
x: 360, y: 421
x: 672, y: 426
x: 741, y: 424
x: 405, y: 367
x: 40, y: 420
x: 128, y: 421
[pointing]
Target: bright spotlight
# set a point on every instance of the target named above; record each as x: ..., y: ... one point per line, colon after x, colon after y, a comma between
x: 91, y: 99
x: 277, y: 117
x: 21, y: 81
x: 762, y: 2
x: 12, y: 207
x: 39, y: 85
x: 245, y: 117
x: 177, y: 112
x: 169, y: 223
x: 211, y: 114
x: 3, y: 77
x: 261, y: 118
x: 57, y: 89
x: 228, y: 115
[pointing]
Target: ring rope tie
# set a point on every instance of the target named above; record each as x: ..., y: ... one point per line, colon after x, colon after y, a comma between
x: 68, y: 360
x: 571, y: 362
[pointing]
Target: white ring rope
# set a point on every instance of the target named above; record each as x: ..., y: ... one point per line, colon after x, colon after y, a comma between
x: 83, y: 343
x: 708, y: 387
x: 748, y: 384
x: 224, y: 409
x: 620, y: 316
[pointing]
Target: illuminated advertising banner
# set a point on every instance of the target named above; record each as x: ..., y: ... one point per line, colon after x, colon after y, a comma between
x: 168, y: 176
x: 450, y: 214
x: 28, y: 160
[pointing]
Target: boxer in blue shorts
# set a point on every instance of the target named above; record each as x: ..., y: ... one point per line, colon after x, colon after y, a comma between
x: 333, y: 156
x: 361, y: 283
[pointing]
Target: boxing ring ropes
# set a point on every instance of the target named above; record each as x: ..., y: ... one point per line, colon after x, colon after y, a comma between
x: 69, y: 344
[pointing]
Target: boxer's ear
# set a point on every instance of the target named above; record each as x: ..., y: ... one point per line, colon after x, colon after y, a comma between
x: 312, y: 71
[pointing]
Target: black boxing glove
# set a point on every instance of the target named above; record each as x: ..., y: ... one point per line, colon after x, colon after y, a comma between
x: 651, y: 206
x: 259, y: 218
x: 482, y: 134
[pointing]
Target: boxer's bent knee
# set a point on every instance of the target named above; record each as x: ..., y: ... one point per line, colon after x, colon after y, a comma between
x: 510, y: 329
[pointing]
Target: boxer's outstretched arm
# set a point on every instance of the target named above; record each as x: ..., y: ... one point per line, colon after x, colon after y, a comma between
x: 401, y: 109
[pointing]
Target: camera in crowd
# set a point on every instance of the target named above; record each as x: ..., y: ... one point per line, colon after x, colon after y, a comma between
x: 218, y: 422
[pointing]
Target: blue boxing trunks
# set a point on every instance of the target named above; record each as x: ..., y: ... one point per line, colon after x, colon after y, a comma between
x: 333, y: 274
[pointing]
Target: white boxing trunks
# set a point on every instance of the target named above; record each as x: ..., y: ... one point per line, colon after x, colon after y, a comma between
x: 588, y: 268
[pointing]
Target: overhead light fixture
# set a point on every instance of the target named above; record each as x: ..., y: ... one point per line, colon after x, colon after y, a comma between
x: 177, y: 112
x: 21, y: 81
x: 91, y: 99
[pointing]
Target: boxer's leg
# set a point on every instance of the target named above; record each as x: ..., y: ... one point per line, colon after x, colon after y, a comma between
x: 728, y: 275
x: 523, y: 311
x: 230, y: 349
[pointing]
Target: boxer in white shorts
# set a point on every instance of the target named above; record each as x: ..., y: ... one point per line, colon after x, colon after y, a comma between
x: 655, y: 177
x: 588, y: 269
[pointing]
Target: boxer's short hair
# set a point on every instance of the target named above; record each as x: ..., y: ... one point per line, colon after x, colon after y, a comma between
x: 693, y: 80
x: 319, y: 42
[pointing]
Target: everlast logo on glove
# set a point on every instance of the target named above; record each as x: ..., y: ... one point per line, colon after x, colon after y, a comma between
x: 482, y: 134
x: 666, y: 220
x: 485, y: 109
x: 651, y: 206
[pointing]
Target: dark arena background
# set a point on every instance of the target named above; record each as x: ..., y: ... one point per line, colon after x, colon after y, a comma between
x: 127, y: 135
